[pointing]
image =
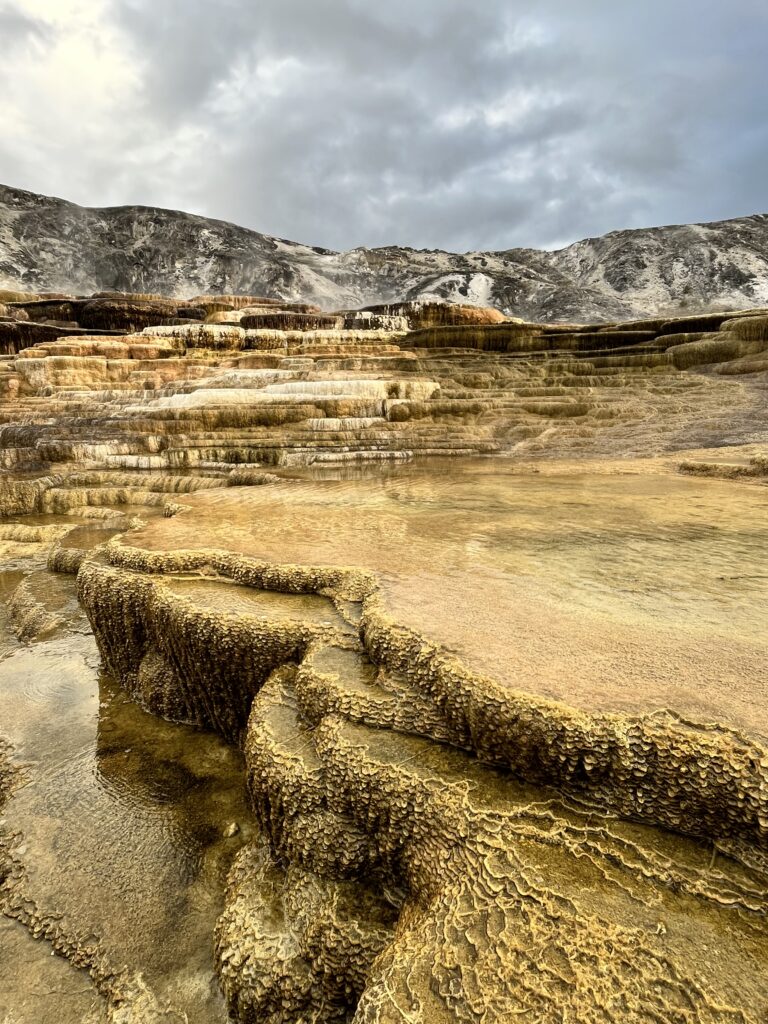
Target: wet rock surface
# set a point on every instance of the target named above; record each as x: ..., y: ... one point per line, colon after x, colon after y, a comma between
x: 414, y: 867
x: 500, y: 725
x: 112, y: 862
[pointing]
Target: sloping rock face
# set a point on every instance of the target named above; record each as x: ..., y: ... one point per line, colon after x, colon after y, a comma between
x: 47, y: 243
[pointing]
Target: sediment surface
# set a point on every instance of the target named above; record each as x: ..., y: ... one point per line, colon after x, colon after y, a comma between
x: 373, y: 734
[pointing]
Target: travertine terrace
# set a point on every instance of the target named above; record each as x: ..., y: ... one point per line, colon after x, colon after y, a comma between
x: 446, y: 826
x: 222, y: 383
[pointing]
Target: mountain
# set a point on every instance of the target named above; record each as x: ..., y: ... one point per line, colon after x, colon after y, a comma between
x: 48, y: 244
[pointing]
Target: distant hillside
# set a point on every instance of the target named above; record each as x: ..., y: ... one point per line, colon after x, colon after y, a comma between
x: 48, y: 244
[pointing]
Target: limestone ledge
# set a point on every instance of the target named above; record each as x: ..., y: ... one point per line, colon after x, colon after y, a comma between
x: 417, y: 868
x: 171, y: 392
x: 89, y: 494
x: 702, y: 778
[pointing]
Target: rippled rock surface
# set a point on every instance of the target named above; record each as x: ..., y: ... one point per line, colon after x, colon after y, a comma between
x: 301, y: 722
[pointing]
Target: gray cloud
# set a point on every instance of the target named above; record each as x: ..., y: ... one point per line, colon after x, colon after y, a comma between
x: 435, y: 123
x: 16, y: 26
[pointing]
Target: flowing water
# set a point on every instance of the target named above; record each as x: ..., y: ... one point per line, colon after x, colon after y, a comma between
x: 623, y: 591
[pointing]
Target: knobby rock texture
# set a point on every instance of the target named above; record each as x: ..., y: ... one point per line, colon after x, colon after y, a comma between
x: 409, y: 866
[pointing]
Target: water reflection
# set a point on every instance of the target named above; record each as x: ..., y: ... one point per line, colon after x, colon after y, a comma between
x: 122, y: 819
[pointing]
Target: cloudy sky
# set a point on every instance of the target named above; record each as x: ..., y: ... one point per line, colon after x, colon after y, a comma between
x: 457, y: 124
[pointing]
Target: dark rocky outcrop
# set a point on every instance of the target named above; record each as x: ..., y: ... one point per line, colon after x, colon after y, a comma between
x: 291, y: 321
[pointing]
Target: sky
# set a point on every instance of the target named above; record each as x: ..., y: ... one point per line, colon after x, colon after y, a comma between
x: 454, y: 124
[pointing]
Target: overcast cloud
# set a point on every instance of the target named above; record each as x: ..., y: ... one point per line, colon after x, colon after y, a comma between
x: 458, y: 124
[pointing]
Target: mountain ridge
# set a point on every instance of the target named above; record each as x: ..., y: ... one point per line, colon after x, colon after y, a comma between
x: 50, y: 244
